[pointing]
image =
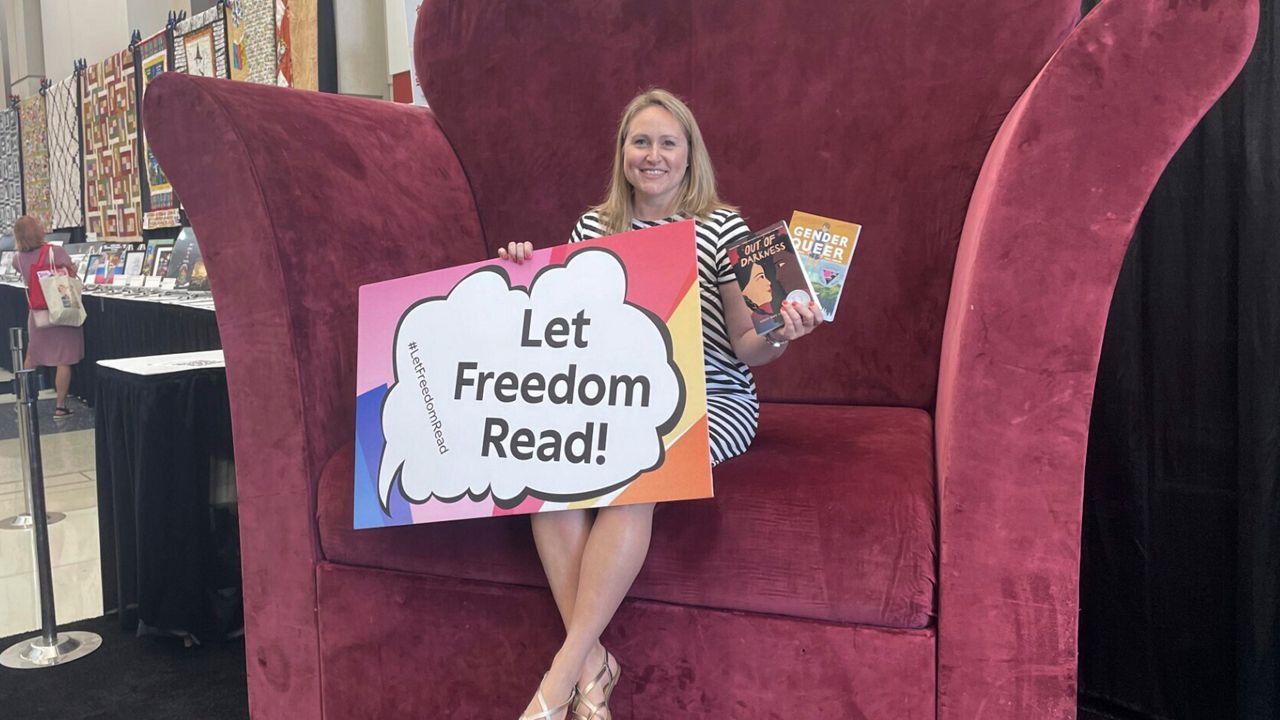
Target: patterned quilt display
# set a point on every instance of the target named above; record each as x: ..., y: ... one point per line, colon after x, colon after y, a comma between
x: 251, y: 40
x: 35, y: 158
x: 66, y: 191
x: 284, y: 44
x: 10, y: 171
x: 161, y: 205
x: 112, y: 188
x: 200, y: 45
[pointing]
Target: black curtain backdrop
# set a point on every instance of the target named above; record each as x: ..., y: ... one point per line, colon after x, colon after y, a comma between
x: 1180, y: 569
x: 163, y: 548
x: 326, y: 47
x: 117, y: 328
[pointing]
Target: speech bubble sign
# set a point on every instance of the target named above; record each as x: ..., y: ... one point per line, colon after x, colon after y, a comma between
x: 512, y: 393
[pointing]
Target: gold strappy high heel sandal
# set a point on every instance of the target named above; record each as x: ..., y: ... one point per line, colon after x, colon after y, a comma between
x: 548, y: 713
x: 585, y: 709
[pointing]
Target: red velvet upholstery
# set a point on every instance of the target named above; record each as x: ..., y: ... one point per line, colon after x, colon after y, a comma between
x: 871, y: 561
x: 878, y: 112
x: 680, y: 661
x: 1051, y: 216
x: 298, y: 198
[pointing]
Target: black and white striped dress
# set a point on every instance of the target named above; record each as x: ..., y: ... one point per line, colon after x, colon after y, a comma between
x: 732, y: 406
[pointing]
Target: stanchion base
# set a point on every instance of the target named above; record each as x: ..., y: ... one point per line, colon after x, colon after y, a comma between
x: 34, y: 653
x: 25, y: 521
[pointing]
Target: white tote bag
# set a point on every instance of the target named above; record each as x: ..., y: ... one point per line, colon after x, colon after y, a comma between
x: 62, y: 294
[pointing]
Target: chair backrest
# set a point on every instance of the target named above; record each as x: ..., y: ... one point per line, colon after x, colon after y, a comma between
x: 298, y: 199
x: 1052, y: 214
x: 876, y: 112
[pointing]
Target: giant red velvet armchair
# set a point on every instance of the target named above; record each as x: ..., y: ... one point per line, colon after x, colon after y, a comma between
x: 903, y: 539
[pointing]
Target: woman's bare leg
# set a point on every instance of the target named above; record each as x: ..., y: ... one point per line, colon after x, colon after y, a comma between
x: 62, y: 384
x: 561, y: 538
x: 615, y: 551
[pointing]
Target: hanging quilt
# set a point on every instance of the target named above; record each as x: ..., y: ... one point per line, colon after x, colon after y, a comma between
x: 10, y: 171
x: 304, y: 34
x: 112, y: 183
x: 66, y: 190
x: 35, y: 158
x: 284, y: 45
x: 161, y: 205
x: 200, y: 45
x: 251, y: 40
x: 162, y: 219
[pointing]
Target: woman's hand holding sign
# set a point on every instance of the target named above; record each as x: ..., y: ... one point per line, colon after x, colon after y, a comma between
x: 564, y: 393
x: 516, y: 252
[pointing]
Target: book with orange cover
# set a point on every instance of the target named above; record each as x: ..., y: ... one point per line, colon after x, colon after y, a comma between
x: 825, y: 247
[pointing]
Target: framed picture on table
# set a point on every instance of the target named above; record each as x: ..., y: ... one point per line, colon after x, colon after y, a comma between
x: 199, y: 277
x: 149, y: 261
x: 106, y: 270
x: 133, y: 263
x: 91, y: 268
x: 186, y: 261
x: 162, y: 261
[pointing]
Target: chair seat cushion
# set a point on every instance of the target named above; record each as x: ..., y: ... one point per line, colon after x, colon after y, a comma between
x: 830, y: 516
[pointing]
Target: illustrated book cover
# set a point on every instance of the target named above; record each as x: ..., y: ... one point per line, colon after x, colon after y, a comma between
x: 768, y: 271
x: 825, y: 247
x: 185, y: 261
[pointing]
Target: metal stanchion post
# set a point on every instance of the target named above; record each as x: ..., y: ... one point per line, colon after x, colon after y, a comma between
x: 22, y: 521
x: 51, y: 647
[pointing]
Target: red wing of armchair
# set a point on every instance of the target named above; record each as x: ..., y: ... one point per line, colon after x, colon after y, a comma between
x: 902, y: 540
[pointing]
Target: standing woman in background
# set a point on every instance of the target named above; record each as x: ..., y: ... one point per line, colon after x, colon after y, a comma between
x: 47, y: 345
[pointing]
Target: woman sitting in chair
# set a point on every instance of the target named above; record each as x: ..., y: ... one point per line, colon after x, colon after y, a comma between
x: 661, y: 173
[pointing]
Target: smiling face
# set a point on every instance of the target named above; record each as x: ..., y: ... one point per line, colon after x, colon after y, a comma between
x: 655, y: 159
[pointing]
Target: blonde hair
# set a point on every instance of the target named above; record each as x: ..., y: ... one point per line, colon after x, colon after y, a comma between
x: 697, y: 196
x: 27, y: 233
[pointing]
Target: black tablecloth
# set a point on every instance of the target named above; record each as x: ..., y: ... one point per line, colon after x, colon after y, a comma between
x: 118, y: 328
x: 13, y: 313
x: 163, y: 547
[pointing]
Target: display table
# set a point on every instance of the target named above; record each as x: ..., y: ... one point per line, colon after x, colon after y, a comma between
x: 169, y: 538
x: 119, y: 327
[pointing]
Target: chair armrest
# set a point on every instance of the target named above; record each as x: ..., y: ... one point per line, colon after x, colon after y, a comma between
x: 297, y: 198
x: 1050, y: 219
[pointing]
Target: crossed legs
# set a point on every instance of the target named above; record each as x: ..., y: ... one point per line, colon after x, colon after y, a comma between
x: 590, y: 564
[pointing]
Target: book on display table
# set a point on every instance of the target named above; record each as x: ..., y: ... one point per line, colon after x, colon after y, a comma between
x: 186, y: 265
x: 149, y: 262
x: 163, y: 256
x: 133, y: 263
x: 91, y: 268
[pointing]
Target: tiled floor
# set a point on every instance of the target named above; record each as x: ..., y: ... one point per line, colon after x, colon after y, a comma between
x: 71, y: 488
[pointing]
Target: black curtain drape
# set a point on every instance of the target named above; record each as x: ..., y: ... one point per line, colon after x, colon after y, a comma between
x: 164, y: 550
x: 1180, y: 566
x: 118, y: 328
